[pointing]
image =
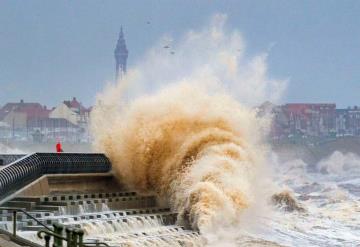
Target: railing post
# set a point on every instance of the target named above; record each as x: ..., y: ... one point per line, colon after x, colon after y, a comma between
x: 58, y: 229
x: 74, y: 240
x: 68, y: 236
x: 80, y: 233
x: 47, y: 240
x: 14, y: 223
x: 71, y: 237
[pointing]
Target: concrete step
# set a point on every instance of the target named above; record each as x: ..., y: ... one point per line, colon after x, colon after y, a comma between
x: 20, y: 204
x: 96, y: 205
x: 27, y: 199
x: 46, y: 208
x: 3, y: 210
x: 97, y: 200
x: 170, y: 236
x: 6, y: 242
x: 60, y: 199
x: 108, y: 215
x: 148, y: 210
x: 59, y: 204
x: 114, y: 203
x: 21, y: 216
x: 167, y: 218
x: 43, y: 216
x: 82, y: 196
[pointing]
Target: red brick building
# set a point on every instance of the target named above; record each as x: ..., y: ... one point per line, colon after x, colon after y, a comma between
x: 311, y: 119
x: 17, y: 115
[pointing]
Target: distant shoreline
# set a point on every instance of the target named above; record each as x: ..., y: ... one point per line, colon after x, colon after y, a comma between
x: 313, y: 154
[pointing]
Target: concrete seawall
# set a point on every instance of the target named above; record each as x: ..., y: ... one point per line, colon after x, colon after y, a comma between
x: 49, y: 184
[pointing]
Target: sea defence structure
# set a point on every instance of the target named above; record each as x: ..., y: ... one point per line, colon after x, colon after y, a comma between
x: 72, y: 199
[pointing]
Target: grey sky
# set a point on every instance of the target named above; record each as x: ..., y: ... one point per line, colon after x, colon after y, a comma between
x: 53, y: 50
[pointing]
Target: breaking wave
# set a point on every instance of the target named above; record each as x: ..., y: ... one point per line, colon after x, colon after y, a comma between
x: 339, y: 163
x: 201, y: 152
x: 182, y: 124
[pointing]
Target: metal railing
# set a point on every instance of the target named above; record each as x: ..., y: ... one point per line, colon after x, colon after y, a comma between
x: 74, y: 236
x: 31, y: 167
x: 14, y: 215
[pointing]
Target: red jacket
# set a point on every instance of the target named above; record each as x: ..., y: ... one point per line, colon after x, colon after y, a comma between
x: 59, y: 148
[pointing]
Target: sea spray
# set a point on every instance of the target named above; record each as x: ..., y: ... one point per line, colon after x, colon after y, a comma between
x: 4, y: 149
x: 198, y: 150
x: 183, y: 125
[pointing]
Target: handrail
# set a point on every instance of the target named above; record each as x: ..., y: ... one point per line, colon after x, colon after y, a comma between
x: 74, y: 237
x: 31, y: 167
x: 15, y: 210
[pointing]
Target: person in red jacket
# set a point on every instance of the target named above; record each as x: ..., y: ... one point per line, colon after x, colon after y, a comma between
x: 59, y: 147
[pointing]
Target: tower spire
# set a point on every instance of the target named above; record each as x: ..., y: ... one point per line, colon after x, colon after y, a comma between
x: 121, y: 34
x: 121, y: 55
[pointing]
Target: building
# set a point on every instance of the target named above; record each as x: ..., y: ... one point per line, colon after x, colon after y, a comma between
x: 5, y: 130
x: 353, y: 121
x: 74, y: 112
x: 51, y: 129
x: 16, y: 116
x: 24, y: 121
x: 29, y: 110
x: 121, y: 55
x: 348, y: 121
x: 315, y: 120
x: 342, y: 122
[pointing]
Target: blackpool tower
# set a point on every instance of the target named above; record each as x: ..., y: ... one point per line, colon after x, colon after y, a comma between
x: 121, y: 55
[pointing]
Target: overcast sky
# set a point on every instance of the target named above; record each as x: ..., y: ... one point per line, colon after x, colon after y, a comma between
x: 53, y: 50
